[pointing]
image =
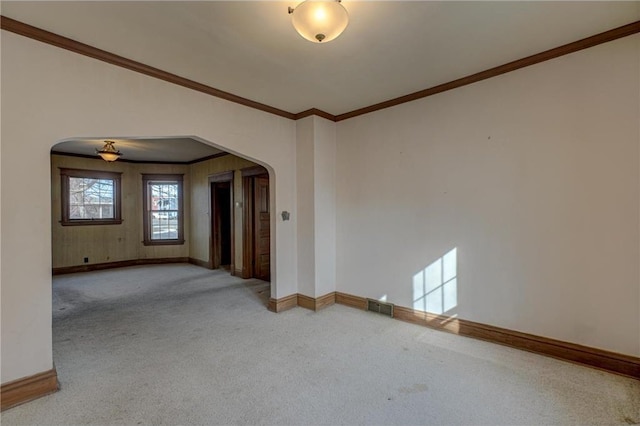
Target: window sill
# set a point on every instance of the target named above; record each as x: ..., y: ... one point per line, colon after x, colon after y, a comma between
x: 89, y: 222
x: 163, y: 242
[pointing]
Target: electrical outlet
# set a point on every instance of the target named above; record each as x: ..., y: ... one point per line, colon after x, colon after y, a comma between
x: 86, y: 260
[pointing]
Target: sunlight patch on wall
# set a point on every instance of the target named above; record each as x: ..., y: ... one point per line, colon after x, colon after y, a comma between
x: 435, y: 288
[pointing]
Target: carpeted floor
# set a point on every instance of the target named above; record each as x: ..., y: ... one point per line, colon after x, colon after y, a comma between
x: 179, y: 344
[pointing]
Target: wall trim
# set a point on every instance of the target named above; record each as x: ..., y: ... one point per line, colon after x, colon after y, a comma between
x: 614, y: 34
x: 198, y: 262
x: 307, y: 302
x: 612, y: 362
x: 283, y: 304
x: 315, y: 111
x: 53, y: 39
x: 119, y: 264
x: 253, y: 171
x: 207, y: 158
x: 318, y: 303
x: 325, y: 301
x: 28, y: 388
x: 351, y: 300
x: 124, y: 160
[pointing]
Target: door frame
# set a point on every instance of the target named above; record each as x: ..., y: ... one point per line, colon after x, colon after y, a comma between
x: 248, y: 231
x: 213, y: 247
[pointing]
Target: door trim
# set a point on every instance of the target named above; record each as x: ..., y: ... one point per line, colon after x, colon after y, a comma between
x: 247, y: 226
x: 212, y: 180
x: 248, y: 173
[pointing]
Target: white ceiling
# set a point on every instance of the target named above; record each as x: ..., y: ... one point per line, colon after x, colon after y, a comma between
x: 389, y: 49
x: 175, y: 150
x: 248, y: 48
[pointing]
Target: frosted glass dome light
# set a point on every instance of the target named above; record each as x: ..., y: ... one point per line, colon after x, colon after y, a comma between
x: 109, y: 153
x: 319, y: 21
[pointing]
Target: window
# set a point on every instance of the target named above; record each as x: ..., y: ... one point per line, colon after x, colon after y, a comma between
x: 90, y: 197
x: 163, y: 215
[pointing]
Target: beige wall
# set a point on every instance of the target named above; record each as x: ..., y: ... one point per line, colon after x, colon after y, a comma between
x: 316, y: 190
x: 50, y: 95
x: 112, y: 243
x: 533, y: 176
x: 200, y: 222
x: 306, y: 203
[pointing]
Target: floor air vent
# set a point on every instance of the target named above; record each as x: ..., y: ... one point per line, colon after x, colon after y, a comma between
x: 380, y: 307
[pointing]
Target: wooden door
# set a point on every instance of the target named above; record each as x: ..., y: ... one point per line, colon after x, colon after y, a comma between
x: 262, y: 233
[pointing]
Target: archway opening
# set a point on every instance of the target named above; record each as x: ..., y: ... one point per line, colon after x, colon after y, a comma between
x: 135, y: 233
x: 207, y: 225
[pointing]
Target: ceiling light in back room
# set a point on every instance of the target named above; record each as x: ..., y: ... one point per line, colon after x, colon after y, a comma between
x: 108, y: 152
x: 319, y: 21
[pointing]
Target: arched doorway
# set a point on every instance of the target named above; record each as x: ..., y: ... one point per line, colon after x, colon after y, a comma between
x: 223, y: 218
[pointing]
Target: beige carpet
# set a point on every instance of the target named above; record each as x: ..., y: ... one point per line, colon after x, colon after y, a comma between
x: 178, y: 344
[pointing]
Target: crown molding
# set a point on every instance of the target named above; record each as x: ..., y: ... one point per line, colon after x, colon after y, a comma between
x: 614, y: 34
x: 53, y: 39
x: 124, y: 160
x: 315, y: 111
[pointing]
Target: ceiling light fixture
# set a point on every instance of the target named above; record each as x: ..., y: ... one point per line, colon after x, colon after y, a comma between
x: 108, y: 152
x: 319, y: 21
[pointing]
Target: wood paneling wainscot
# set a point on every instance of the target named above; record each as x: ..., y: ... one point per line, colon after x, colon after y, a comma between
x: 119, y: 264
x: 110, y: 243
x: 200, y: 232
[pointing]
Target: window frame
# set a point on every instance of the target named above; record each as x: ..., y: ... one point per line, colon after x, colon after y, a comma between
x: 148, y: 178
x: 65, y: 199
